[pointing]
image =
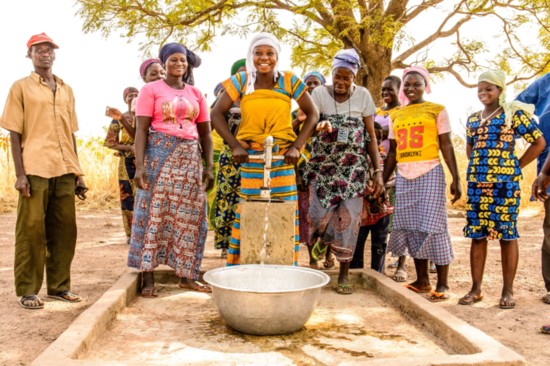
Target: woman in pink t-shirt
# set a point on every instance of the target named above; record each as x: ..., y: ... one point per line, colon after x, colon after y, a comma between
x: 170, y: 210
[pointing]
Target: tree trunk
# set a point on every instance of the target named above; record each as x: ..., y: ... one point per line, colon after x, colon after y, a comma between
x: 376, y: 61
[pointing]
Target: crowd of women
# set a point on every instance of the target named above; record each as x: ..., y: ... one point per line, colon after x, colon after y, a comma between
x: 351, y: 168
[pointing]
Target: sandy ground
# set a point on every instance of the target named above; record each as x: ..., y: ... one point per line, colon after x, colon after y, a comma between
x: 101, y: 256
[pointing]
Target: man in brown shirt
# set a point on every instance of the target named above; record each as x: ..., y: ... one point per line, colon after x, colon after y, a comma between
x: 40, y: 115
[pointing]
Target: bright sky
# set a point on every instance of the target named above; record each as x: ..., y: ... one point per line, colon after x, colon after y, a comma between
x: 99, y: 69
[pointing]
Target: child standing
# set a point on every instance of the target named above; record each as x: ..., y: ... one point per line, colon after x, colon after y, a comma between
x: 376, y: 219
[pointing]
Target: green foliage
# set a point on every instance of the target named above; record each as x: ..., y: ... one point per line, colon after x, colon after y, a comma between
x: 381, y: 31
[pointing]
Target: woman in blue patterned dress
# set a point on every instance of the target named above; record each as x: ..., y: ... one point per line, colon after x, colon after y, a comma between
x: 494, y: 173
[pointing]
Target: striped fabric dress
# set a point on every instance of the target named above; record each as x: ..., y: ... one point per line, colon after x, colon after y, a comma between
x: 265, y: 113
x: 283, y: 186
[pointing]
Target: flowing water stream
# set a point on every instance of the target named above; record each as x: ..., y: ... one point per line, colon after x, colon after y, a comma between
x: 265, y: 241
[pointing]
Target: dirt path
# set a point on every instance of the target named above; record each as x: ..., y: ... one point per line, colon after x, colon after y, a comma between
x: 101, y: 258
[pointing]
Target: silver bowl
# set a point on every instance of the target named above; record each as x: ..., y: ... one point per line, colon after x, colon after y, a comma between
x: 266, y: 299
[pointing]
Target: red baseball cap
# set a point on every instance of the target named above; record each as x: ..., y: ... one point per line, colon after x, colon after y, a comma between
x: 40, y: 38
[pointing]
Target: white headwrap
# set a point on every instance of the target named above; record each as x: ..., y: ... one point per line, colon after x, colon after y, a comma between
x: 498, y: 78
x: 260, y: 39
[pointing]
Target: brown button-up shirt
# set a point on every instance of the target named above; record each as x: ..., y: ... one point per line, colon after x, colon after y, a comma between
x: 46, y: 122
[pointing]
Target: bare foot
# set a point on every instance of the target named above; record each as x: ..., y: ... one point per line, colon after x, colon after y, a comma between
x: 313, y: 264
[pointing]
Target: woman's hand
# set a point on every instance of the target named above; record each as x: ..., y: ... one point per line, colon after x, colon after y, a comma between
x: 113, y: 113
x: 300, y: 184
x: 292, y: 155
x: 456, y: 190
x: 323, y: 126
x: 80, y: 188
x: 240, y: 155
x: 141, y: 179
x: 23, y: 186
x: 378, y: 185
x: 540, y: 186
x: 208, y: 178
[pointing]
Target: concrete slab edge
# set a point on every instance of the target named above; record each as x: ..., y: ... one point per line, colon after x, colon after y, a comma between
x: 90, y: 324
x: 471, y: 344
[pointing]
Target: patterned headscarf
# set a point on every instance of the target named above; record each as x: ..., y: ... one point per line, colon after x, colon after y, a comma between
x: 498, y: 78
x: 193, y: 60
x: 260, y: 39
x: 425, y: 75
x: 129, y: 90
x: 145, y: 65
x: 237, y: 65
x: 348, y: 59
x: 317, y: 74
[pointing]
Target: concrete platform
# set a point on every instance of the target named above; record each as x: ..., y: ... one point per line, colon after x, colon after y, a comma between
x: 381, y: 324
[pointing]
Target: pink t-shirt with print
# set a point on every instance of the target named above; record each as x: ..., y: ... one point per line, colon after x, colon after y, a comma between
x: 174, y: 112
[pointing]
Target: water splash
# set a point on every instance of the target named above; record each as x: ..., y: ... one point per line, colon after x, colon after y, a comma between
x: 265, y: 241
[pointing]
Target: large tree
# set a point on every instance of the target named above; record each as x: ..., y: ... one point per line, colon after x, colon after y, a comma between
x: 452, y: 36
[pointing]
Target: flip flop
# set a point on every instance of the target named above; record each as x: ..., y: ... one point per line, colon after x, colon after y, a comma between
x: 318, y: 251
x: 346, y: 289
x: 545, y: 329
x: 546, y: 298
x: 512, y: 305
x: 417, y: 290
x: 470, y: 299
x: 201, y: 287
x: 31, y: 298
x: 435, y: 296
x: 149, y: 292
x: 66, y: 296
x: 80, y: 192
x: 400, y: 275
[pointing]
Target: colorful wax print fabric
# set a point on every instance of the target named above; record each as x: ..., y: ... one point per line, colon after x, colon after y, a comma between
x: 493, y: 156
x: 492, y: 210
x: 170, y: 224
x: 227, y: 198
x: 339, y: 164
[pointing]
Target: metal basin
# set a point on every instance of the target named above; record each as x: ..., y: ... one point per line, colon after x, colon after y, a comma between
x: 266, y: 299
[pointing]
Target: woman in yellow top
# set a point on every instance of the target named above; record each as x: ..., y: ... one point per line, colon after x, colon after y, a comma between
x: 266, y: 96
x: 418, y: 131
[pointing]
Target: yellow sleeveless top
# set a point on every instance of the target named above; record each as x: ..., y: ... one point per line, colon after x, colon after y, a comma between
x: 415, y: 130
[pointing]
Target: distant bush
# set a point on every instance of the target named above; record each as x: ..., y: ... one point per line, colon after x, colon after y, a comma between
x: 99, y: 166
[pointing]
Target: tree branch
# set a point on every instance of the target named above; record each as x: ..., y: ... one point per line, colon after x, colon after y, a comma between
x: 439, y: 33
x: 406, y: 17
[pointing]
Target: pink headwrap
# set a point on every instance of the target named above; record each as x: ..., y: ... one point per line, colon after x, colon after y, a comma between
x: 422, y: 71
x: 145, y: 65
